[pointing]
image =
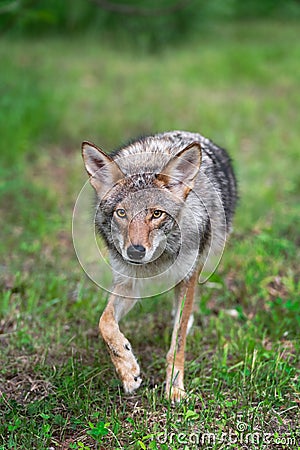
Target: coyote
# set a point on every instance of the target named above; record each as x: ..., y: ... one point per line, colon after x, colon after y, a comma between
x: 164, y: 207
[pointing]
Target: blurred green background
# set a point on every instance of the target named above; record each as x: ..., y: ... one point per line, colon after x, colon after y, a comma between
x: 147, y: 23
x: 86, y: 70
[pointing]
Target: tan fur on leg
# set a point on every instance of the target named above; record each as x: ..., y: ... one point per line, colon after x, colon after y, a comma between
x: 118, y: 346
x: 175, y: 357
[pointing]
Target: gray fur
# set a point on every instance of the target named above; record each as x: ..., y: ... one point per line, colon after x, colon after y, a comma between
x: 201, y: 221
x: 164, y: 206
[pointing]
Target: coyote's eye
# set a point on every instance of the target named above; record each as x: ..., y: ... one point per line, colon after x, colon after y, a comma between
x: 157, y: 214
x: 121, y: 213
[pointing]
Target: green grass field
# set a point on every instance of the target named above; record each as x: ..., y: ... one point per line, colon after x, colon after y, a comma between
x: 238, y: 85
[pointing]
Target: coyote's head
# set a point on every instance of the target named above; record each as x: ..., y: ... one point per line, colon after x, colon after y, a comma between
x: 138, y: 210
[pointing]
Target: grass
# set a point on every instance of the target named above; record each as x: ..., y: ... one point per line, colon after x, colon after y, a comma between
x: 238, y: 85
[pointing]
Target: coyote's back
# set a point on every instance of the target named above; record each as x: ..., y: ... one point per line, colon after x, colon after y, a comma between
x: 165, y: 205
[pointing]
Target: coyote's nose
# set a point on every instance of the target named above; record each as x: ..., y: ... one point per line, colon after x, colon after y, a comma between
x: 136, y: 252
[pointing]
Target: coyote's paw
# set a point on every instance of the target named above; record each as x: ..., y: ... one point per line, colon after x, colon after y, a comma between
x: 174, y: 387
x: 175, y: 394
x: 130, y: 375
x: 131, y: 383
x: 128, y: 369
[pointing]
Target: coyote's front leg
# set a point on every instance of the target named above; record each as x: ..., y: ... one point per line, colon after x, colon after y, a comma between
x: 118, y: 346
x: 175, y: 358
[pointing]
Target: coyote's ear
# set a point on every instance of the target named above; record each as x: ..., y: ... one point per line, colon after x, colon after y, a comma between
x: 180, y: 172
x: 102, y: 170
